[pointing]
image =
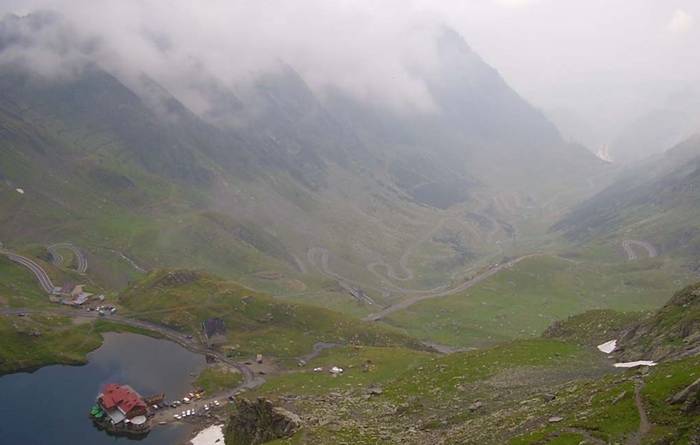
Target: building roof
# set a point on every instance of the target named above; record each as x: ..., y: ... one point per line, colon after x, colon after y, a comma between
x: 115, y: 415
x: 214, y: 326
x: 67, y: 288
x: 121, y: 397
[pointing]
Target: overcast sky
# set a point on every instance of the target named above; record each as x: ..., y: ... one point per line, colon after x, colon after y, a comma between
x: 603, y: 59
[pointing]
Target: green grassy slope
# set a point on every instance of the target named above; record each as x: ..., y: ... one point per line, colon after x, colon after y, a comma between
x: 33, y: 341
x: 524, y: 300
x: 538, y: 391
x: 656, y: 201
x: 256, y: 322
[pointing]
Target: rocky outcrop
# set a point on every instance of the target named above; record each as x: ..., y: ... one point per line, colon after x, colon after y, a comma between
x: 260, y: 421
x: 593, y: 327
x: 673, y: 332
x: 689, y: 397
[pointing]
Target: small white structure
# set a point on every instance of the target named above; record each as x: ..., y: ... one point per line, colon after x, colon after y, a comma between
x: 20, y: 191
x: 635, y: 364
x: 318, y: 369
x: 608, y: 346
x: 336, y: 370
x: 138, y: 420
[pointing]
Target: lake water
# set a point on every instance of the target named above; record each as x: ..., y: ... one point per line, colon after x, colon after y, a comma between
x: 51, y: 406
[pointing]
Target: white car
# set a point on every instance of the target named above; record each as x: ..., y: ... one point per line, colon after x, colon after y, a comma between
x: 177, y: 416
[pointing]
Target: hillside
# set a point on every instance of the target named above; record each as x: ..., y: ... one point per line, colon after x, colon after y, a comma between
x: 674, y: 331
x: 255, y: 322
x: 655, y: 201
x: 558, y: 390
x: 123, y: 169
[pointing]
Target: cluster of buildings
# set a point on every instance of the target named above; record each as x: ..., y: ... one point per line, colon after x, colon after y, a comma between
x: 121, y: 410
x: 72, y: 294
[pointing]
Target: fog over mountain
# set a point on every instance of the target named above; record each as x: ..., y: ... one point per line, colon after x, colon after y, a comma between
x: 607, y: 62
x: 324, y: 222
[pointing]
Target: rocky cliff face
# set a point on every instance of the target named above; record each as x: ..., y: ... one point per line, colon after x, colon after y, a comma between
x: 673, y: 332
x: 260, y: 421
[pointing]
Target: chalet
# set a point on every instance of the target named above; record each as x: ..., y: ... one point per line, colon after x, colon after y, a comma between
x: 121, y: 403
x: 67, y: 289
x: 214, y: 331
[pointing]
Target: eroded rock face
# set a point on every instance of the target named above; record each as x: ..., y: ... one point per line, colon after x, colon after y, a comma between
x: 260, y: 421
x: 673, y: 332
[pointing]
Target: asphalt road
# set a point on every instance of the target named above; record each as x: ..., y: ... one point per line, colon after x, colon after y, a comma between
x: 79, y: 255
x: 34, y: 267
x: 629, y: 249
x: 403, y: 304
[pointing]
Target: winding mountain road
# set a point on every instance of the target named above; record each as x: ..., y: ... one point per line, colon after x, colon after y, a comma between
x: 466, y: 285
x: 406, y: 272
x: 58, y: 258
x: 629, y: 244
x: 34, y: 267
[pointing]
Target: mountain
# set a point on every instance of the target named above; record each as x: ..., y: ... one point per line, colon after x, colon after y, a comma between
x: 656, y: 201
x: 481, y: 135
x: 659, y: 129
x: 272, y: 185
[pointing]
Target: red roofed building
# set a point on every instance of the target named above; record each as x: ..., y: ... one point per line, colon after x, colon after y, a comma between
x: 121, y: 402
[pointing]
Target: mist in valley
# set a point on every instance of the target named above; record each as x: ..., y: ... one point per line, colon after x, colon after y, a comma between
x: 468, y: 217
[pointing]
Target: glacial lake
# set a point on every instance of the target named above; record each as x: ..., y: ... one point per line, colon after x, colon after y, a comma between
x: 51, y: 405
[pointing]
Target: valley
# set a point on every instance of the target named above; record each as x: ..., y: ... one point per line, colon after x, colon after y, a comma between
x: 317, y: 263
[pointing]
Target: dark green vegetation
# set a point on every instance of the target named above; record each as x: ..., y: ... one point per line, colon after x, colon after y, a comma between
x: 32, y: 341
x: 18, y: 287
x: 255, y: 322
x: 213, y: 380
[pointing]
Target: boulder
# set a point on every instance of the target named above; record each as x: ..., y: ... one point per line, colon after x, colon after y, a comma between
x: 689, y: 396
x: 476, y: 405
x: 260, y: 421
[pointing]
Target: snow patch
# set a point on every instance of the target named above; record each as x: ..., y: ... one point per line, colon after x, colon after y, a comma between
x: 635, y: 364
x: 214, y: 435
x: 608, y: 346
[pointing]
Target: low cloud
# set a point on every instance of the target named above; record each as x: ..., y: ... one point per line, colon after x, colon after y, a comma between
x: 681, y: 22
x: 369, y: 52
x: 515, y: 3
x: 556, y: 53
